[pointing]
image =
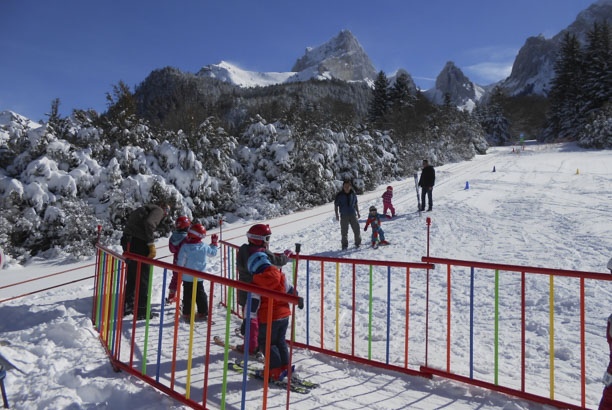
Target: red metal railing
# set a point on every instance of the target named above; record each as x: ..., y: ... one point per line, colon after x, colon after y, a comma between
x: 107, y: 318
x: 523, y: 270
x: 350, y: 353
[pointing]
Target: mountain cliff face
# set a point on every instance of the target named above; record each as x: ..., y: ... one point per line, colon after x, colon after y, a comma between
x: 533, y: 68
x: 342, y: 58
x: 451, y: 80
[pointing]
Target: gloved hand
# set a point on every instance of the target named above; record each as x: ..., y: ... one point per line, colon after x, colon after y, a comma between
x: 152, y: 251
x: 214, y: 239
x: 365, y: 229
x: 301, y: 302
x: 289, y: 253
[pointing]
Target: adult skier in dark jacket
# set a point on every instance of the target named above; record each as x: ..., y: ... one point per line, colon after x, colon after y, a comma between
x: 427, y: 182
x: 346, y: 203
x: 138, y: 237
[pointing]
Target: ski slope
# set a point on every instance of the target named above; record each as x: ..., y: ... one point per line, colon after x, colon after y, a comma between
x: 535, y: 210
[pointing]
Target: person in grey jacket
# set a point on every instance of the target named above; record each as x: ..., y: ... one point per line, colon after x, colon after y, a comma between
x: 138, y: 237
x: 346, y: 203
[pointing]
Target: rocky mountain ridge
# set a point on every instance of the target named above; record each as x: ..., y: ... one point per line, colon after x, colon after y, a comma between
x: 533, y: 68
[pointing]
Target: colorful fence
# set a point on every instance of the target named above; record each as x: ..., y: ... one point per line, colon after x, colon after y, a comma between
x: 527, y: 276
x: 356, y: 273
x: 343, y: 294
x: 138, y: 346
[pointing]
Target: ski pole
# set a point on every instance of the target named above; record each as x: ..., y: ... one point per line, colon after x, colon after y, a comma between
x: 297, y: 256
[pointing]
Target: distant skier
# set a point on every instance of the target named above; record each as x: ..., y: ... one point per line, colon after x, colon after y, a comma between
x: 268, y: 276
x: 377, y: 233
x: 193, y: 255
x: 258, y: 237
x: 138, y: 236
x: 182, y: 225
x: 427, y: 182
x: 387, y: 196
x: 346, y: 203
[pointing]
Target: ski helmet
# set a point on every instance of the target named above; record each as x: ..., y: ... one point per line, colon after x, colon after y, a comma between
x: 182, y: 222
x: 259, y: 234
x: 610, y: 265
x: 389, y: 188
x: 372, y: 209
x: 197, y: 231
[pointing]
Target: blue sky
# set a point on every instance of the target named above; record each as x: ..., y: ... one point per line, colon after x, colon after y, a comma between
x: 76, y: 50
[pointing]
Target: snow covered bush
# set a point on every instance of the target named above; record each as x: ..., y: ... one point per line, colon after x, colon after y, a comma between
x: 59, y: 181
x: 597, y: 133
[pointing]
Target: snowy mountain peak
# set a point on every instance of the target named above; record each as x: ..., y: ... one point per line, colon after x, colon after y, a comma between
x: 451, y: 80
x: 7, y: 117
x: 342, y: 57
x: 231, y: 73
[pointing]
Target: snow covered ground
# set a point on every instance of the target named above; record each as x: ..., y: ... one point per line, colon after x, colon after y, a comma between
x: 535, y: 210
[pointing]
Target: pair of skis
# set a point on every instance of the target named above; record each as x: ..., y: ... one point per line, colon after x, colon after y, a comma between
x: 219, y: 342
x: 298, y: 385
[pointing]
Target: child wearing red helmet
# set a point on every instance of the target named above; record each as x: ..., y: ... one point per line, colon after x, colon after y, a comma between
x: 258, y: 239
x: 181, y: 224
x: 193, y: 255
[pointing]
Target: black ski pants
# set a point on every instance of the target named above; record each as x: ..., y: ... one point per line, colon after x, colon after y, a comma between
x: 139, y: 247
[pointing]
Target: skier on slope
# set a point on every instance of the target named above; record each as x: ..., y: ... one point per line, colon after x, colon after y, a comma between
x: 377, y: 232
x: 387, y: 196
x: 347, y: 205
x: 182, y: 225
x: 427, y: 182
x: 258, y: 237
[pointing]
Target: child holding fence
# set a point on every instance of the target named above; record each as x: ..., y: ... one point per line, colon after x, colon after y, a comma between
x: 258, y: 237
x: 193, y: 255
x: 270, y: 277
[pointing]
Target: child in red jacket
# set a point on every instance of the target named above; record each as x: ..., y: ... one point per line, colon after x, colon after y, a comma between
x: 270, y: 277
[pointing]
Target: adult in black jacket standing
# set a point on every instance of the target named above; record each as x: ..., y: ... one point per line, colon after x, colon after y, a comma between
x: 346, y: 204
x: 427, y: 182
x: 138, y: 237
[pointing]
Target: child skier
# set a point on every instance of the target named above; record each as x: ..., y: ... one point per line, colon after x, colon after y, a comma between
x: 193, y: 255
x: 387, y: 196
x: 377, y: 233
x: 270, y: 277
x: 258, y: 237
x: 181, y: 224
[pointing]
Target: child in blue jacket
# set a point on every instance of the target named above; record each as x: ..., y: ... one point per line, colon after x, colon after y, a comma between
x: 377, y: 232
x: 193, y: 255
